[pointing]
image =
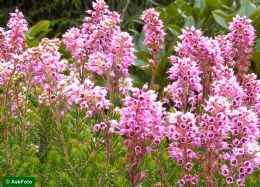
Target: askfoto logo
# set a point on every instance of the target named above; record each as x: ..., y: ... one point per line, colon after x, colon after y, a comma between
x: 19, y: 181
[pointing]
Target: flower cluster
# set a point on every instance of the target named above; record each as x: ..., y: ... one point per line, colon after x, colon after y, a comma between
x: 99, y: 45
x: 214, y: 127
x: 183, y: 131
x: 45, y: 64
x: 142, y: 116
x: 186, y: 88
x: 154, y: 34
x: 203, y: 50
x: 227, y: 129
x: 141, y: 121
x: 95, y: 33
x: 87, y: 96
x: 243, y: 146
x: 226, y: 49
x: 252, y: 91
x: 242, y: 37
x: 12, y: 66
x: 154, y: 37
x: 13, y: 43
x: 228, y: 87
x: 123, y: 53
x: 13, y: 40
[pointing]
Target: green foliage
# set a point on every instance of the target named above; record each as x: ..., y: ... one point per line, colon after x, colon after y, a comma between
x: 37, y: 32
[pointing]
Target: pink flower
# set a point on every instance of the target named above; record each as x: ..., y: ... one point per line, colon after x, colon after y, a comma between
x: 182, y: 131
x: 227, y: 86
x: 13, y: 40
x: 252, y: 90
x: 154, y: 34
x: 142, y: 116
x: 13, y: 43
x: 203, y: 50
x: 88, y: 96
x: 242, y: 35
x: 224, y: 170
x: 99, y: 45
x: 186, y: 88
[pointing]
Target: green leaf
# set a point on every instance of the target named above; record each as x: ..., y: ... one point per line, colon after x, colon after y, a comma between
x: 256, y: 20
x: 220, y: 17
x: 140, y: 78
x: 186, y: 9
x: 189, y: 22
x: 174, y: 29
x: 256, y: 56
x: 227, y: 2
x: 256, y: 63
x: 40, y: 27
x: 200, y: 9
x: 155, y: 87
x: 32, y: 43
x: 140, y: 64
x: 256, y: 14
x: 247, y: 8
x: 142, y: 59
x: 200, y: 22
x: 171, y: 10
x: 200, y: 4
x: 257, y: 44
x: 139, y: 41
x: 137, y: 21
x: 172, y: 110
x: 144, y: 55
x: 163, y: 14
x: 227, y: 9
x: 161, y: 71
x: 213, y: 4
x: 133, y: 31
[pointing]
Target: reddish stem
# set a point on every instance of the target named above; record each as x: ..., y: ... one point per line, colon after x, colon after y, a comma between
x: 8, y: 152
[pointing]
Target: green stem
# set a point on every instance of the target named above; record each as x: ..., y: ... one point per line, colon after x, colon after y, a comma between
x: 63, y: 142
x: 161, y: 168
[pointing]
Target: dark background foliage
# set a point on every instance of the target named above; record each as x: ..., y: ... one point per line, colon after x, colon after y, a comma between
x: 67, y: 13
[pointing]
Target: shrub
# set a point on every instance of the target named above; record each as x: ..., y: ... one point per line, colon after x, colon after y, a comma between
x: 82, y: 122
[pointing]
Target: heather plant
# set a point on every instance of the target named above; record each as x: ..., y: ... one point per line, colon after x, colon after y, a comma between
x: 82, y: 122
x: 227, y: 141
x: 141, y: 122
x: 154, y: 36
